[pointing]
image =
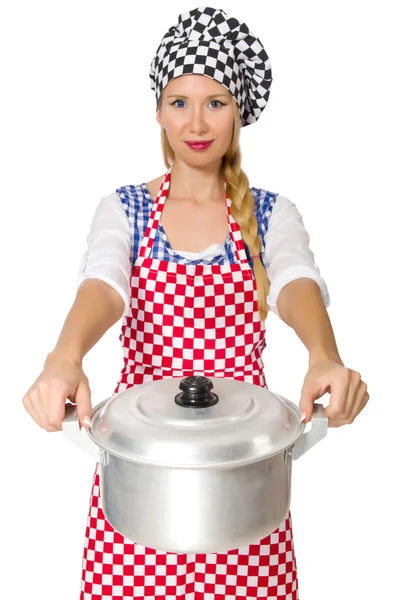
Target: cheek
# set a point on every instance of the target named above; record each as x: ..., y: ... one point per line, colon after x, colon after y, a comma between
x: 224, y: 130
x: 223, y: 123
x: 174, y: 127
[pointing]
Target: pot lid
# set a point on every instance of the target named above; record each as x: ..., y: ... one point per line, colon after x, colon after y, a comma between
x: 196, y: 422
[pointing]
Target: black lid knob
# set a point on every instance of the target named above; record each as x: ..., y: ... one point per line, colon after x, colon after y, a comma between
x: 196, y: 392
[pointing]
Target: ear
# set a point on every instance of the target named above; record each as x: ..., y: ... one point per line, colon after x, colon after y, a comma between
x: 158, y: 118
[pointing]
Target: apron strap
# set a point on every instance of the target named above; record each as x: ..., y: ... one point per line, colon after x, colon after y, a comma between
x: 155, y: 215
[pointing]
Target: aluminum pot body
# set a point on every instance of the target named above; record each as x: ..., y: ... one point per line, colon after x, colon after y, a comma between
x: 195, y: 479
x: 196, y: 510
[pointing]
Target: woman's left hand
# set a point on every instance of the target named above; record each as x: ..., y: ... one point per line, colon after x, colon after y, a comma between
x: 348, y: 392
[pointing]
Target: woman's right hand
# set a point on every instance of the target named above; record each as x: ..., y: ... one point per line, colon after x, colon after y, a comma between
x: 60, y: 379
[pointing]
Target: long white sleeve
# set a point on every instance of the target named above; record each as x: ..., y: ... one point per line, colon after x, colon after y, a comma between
x: 108, y: 252
x: 287, y: 252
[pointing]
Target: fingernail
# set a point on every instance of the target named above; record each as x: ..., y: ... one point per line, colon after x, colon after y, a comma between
x: 87, y: 421
x: 303, y: 416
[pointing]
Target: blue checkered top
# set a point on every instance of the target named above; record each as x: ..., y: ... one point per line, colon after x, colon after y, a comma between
x: 138, y: 203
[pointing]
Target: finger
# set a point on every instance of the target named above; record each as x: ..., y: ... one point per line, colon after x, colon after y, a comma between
x: 82, y: 398
x: 359, y: 400
x: 55, y: 406
x: 309, y: 395
x: 31, y: 410
x: 38, y: 406
x: 339, y: 389
x: 356, y: 399
x: 352, y: 397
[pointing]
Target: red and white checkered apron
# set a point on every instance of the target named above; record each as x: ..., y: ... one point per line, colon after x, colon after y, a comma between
x: 188, y: 320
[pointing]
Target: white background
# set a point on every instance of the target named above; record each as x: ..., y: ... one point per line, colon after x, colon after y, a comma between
x: 78, y: 121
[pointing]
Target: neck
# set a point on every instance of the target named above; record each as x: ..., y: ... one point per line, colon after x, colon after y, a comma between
x: 199, y: 184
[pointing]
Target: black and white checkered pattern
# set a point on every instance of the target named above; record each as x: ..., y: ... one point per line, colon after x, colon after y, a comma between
x: 207, y: 41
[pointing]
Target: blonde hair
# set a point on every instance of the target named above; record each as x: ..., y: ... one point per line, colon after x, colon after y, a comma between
x: 242, y: 207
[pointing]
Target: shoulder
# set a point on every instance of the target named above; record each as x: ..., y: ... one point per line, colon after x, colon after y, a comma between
x: 108, y: 209
x: 147, y: 191
x: 130, y: 193
x: 265, y: 203
x: 127, y: 202
x: 109, y: 229
x: 135, y: 199
x: 272, y: 204
x: 264, y: 199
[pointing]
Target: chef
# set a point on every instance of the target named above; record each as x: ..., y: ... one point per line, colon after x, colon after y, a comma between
x: 192, y: 261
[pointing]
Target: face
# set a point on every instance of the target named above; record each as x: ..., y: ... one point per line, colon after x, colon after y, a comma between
x: 197, y: 108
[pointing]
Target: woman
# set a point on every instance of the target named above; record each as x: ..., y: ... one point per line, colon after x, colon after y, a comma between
x: 211, y: 76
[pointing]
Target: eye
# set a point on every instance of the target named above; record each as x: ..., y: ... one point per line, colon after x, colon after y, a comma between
x: 219, y: 102
x: 172, y: 103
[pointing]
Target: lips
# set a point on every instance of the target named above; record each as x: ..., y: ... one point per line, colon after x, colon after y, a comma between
x: 199, y: 145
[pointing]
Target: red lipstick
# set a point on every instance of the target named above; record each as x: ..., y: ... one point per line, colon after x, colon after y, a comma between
x: 199, y: 145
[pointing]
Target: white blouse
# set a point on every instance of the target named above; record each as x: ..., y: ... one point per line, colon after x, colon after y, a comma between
x: 287, y: 252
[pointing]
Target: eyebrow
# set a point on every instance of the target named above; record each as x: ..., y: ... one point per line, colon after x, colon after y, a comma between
x: 207, y: 98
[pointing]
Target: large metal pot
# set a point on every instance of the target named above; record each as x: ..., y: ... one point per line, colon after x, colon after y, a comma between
x: 195, y: 464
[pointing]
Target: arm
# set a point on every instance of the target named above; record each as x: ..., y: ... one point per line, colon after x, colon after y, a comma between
x: 287, y: 254
x: 103, y: 282
x: 96, y: 308
x: 299, y: 296
x: 101, y: 299
x: 301, y: 306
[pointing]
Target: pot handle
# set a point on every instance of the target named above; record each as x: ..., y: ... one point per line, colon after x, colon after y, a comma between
x: 317, y: 432
x: 76, y: 434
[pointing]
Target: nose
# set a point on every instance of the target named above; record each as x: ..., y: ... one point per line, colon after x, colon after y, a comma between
x: 197, y: 122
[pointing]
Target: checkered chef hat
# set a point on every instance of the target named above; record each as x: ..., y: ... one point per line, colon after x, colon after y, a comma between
x: 209, y: 42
